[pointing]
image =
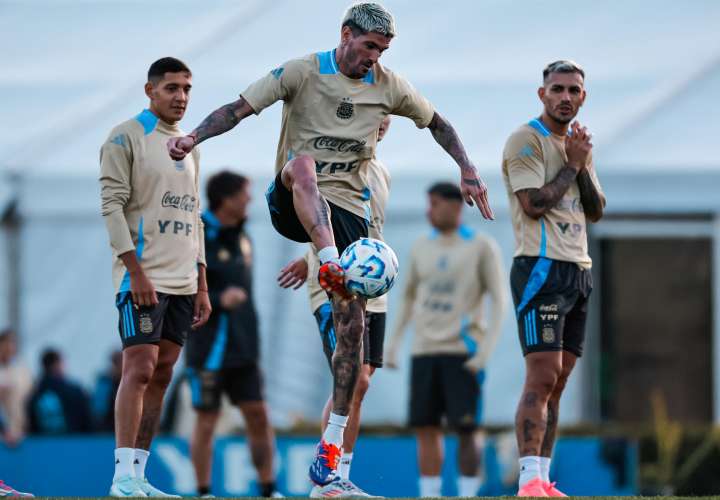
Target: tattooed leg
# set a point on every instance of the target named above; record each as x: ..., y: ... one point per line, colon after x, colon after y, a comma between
x: 299, y: 176
x: 349, y: 319
x: 152, y: 402
x: 542, y: 373
x: 553, y: 406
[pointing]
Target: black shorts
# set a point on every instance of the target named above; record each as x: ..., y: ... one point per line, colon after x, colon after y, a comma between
x: 241, y: 384
x: 347, y: 227
x: 551, y: 301
x: 373, y: 338
x: 440, y: 386
x: 170, y: 319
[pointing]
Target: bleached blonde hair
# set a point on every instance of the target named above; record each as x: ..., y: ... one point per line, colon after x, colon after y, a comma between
x: 369, y: 16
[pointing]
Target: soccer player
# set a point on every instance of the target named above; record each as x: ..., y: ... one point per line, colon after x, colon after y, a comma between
x: 224, y: 356
x: 151, y: 208
x: 333, y: 103
x: 554, y: 191
x: 449, y: 274
x: 296, y: 273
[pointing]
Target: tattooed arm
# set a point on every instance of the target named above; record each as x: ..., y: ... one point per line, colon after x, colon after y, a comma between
x: 218, y: 122
x: 592, y: 200
x: 473, y: 188
x: 536, y: 202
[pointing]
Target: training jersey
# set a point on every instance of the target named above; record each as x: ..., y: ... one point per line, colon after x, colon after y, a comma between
x: 447, y: 278
x: 151, y: 204
x: 532, y: 157
x: 334, y: 119
x: 378, y: 181
x: 230, y: 337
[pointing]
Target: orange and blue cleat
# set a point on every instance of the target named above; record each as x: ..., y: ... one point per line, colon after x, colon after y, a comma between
x: 331, y: 277
x: 325, y: 464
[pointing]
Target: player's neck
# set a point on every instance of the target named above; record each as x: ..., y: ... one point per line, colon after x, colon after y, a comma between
x: 340, y: 61
x: 449, y: 230
x: 554, y: 126
x: 170, y: 123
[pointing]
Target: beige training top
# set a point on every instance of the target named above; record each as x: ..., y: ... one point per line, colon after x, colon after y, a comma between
x: 533, y: 156
x: 448, y: 277
x: 151, y: 204
x: 334, y: 119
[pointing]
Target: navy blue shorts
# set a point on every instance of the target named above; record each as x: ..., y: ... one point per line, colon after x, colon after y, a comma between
x: 346, y: 226
x: 170, y: 319
x: 551, y: 301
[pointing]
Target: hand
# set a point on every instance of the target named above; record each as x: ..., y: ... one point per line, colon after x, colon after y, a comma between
x: 12, y: 438
x: 142, y: 289
x: 232, y: 297
x: 179, y: 147
x: 294, y: 274
x: 474, y: 191
x: 578, y: 147
x: 202, y: 309
x: 475, y: 365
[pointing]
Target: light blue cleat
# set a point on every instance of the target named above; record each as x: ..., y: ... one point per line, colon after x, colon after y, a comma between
x: 126, y: 486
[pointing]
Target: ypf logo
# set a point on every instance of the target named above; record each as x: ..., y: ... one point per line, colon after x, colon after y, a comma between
x: 345, y: 109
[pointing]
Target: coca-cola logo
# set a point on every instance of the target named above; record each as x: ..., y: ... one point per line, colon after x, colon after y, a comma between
x: 184, y: 202
x: 338, y: 144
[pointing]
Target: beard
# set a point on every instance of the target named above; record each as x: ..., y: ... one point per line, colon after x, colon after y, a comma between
x: 561, y: 119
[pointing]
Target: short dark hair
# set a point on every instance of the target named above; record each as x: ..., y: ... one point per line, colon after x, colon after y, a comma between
x: 563, y: 66
x: 223, y: 185
x: 166, y: 65
x: 446, y: 191
x: 50, y: 357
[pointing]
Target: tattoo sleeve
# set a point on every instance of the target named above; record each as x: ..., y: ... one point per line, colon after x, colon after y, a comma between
x: 445, y: 135
x: 539, y: 201
x: 592, y: 201
x: 222, y: 119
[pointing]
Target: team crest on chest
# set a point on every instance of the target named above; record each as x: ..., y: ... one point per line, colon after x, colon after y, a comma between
x: 345, y: 109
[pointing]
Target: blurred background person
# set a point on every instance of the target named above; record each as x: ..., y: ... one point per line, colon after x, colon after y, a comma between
x: 223, y: 358
x: 450, y: 272
x: 58, y: 405
x: 103, y: 397
x: 15, y: 386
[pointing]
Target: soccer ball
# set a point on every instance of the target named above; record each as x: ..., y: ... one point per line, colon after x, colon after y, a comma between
x: 370, y: 267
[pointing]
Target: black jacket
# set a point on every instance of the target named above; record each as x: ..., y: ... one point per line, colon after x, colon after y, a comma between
x: 230, y: 337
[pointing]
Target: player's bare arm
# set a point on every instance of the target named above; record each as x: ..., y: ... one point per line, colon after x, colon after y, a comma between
x: 218, y: 122
x: 294, y: 274
x: 202, y: 300
x: 141, y: 288
x: 592, y: 201
x: 536, y: 202
x: 473, y: 188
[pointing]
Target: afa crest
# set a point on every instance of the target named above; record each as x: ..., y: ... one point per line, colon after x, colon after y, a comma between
x: 345, y: 109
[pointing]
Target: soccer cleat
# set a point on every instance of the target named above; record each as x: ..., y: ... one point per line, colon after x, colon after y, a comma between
x: 534, y: 488
x: 9, y: 491
x: 331, y: 277
x: 152, y: 491
x: 126, y: 486
x: 552, y: 491
x: 323, y: 467
x: 338, y: 488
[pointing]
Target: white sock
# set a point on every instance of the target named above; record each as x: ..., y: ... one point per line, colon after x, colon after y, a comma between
x: 334, y: 431
x: 529, y: 469
x: 328, y: 253
x: 124, y: 458
x: 468, y: 486
x: 345, y: 463
x: 430, y: 486
x: 141, y: 458
x: 545, y: 469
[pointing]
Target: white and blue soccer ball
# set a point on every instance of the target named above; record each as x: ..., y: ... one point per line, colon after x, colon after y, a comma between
x: 370, y: 267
